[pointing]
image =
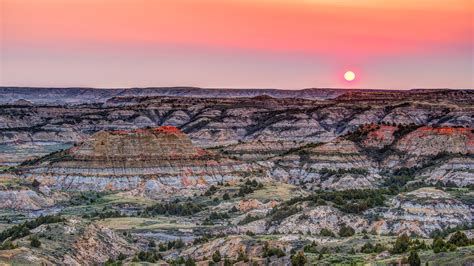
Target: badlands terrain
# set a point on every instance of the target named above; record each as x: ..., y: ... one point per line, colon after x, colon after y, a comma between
x: 189, y: 176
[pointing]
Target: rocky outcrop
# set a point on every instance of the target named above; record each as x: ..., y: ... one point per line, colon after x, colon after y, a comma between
x: 314, y: 164
x: 421, y: 212
x: 315, y: 219
x: 456, y: 171
x: 152, y: 160
x: 24, y: 199
x: 351, y: 181
x: 72, y: 242
x: 96, y: 245
x: 427, y: 141
x: 381, y: 137
x: 251, y: 204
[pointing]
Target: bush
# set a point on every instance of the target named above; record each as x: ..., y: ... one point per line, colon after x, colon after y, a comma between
x: 178, y: 209
x: 151, y: 244
x: 249, y: 187
x: 439, y: 245
x: 111, y: 262
x: 270, y: 252
x: 248, y: 219
x: 226, y: 196
x: 277, y: 214
x: 149, y: 256
x: 177, y: 244
x: 23, y: 229
x: 459, y: 239
x: 311, y: 248
x: 216, y: 257
x: 326, y: 232
x: 242, y: 256
x: 367, y: 248
x: 401, y: 244
x: 200, y: 240
x: 299, y: 259
x: 35, y: 242
x: 346, y: 231
x: 414, y: 259
x: 8, y: 245
x: 210, y: 191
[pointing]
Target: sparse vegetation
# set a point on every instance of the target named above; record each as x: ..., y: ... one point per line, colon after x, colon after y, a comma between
x: 178, y: 209
x: 248, y: 219
x: 346, y: 231
x: 272, y: 251
x: 23, y: 229
x: 7, y: 245
x: 326, y: 232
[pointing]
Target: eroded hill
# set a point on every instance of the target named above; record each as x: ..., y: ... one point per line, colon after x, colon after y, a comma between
x: 357, y: 177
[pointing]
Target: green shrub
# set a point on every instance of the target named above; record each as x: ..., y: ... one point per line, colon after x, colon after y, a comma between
x: 23, y: 229
x: 346, y: 231
x: 459, y: 239
x: 178, y: 209
x: 326, y: 232
x: 311, y: 248
x: 401, y: 244
x: 149, y: 256
x: 8, y: 245
x: 299, y: 259
x: 279, y: 213
x: 241, y: 256
x: 414, y: 259
x: 439, y: 245
x: 216, y: 257
x: 248, y: 219
x: 190, y: 262
x: 272, y: 251
x: 35, y: 242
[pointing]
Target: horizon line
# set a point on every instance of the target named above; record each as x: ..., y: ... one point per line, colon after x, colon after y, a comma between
x: 232, y: 88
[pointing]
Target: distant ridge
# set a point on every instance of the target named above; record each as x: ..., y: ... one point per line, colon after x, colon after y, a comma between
x: 78, y: 95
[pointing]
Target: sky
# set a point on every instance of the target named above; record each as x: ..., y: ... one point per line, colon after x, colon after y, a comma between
x: 287, y: 44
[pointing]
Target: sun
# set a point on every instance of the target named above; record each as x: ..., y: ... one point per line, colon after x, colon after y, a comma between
x: 349, y: 76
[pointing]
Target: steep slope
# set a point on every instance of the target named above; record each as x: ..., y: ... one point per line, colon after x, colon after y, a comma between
x: 72, y: 242
x: 422, y: 212
x: 149, y: 160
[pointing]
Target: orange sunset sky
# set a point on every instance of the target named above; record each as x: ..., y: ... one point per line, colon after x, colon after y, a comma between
x: 289, y: 44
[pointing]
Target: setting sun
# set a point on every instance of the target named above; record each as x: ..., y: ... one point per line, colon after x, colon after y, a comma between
x: 349, y: 76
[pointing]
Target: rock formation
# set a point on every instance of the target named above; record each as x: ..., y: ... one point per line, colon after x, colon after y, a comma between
x: 151, y: 160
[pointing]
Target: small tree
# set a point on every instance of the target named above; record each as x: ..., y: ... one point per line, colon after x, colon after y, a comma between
x: 414, y: 259
x: 152, y: 244
x: 401, y: 244
x: 299, y: 259
x: 459, y: 239
x: 326, y: 232
x: 346, y: 231
x: 226, y: 196
x: 227, y: 262
x: 36, y: 183
x: 216, y: 257
x: 242, y: 256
